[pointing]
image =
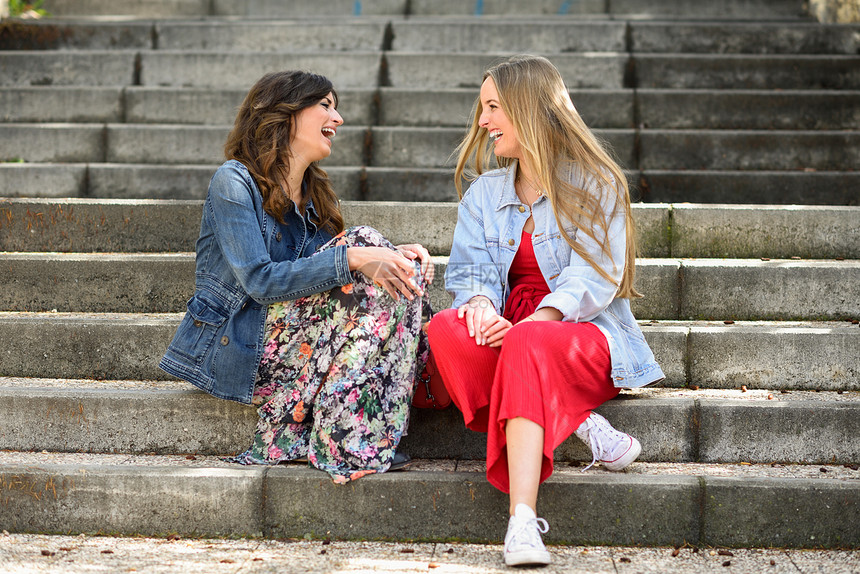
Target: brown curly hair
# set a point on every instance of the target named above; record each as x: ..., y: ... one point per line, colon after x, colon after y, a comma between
x: 260, y: 139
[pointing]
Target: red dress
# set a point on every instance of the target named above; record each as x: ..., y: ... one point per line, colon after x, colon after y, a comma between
x: 550, y: 372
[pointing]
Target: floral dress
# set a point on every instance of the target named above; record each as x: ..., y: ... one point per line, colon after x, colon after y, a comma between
x: 336, y: 378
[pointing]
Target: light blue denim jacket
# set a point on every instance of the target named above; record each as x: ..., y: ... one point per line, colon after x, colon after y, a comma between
x: 246, y: 260
x: 489, y: 228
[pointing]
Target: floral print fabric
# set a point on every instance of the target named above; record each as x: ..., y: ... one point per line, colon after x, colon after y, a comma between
x: 337, y: 375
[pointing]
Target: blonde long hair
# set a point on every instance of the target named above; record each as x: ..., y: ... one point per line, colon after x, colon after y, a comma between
x: 551, y: 134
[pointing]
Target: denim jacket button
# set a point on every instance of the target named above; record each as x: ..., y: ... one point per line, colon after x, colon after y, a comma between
x: 522, y: 209
x: 225, y: 340
x: 278, y: 236
x: 511, y: 242
x: 198, y: 323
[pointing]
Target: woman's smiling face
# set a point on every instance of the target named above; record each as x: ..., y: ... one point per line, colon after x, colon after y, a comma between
x: 314, y: 127
x: 493, y: 119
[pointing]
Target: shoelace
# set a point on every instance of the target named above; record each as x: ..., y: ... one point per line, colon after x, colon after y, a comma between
x: 597, y: 450
x: 523, y: 528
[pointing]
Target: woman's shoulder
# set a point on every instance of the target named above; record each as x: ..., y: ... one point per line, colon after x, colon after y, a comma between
x: 233, y: 179
x: 487, y: 185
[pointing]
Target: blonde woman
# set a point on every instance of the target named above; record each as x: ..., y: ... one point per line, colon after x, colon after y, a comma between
x: 541, y: 271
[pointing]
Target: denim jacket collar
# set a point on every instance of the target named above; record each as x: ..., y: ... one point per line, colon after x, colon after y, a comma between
x: 509, y: 196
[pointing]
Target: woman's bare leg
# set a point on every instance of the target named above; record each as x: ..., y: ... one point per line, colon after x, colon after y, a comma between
x: 525, y: 456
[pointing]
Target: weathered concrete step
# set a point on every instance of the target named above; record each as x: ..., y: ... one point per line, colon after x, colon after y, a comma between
x: 162, y: 495
x: 253, y: 8
x: 743, y: 37
x: 146, y: 417
x: 729, y: 9
x: 807, y: 187
x: 444, y: 70
x: 196, y: 144
x: 423, y: 147
x: 180, y: 68
x: 143, y: 143
x: 145, y: 8
x: 427, y: 34
x: 512, y: 35
x: 745, y: 9
x: 747, y: 109
x: 354, y: 69
x: 68, y: 67
x: 451, y: 107
x: 706, y: 289
x: 747, y: 72
x: 697, y: 230
x: 141, y: 181
x: 61, y: 104
x: 768, y: 355
x: 273, y: 36
x: 145, y: 105
x: 765, y: 187
x: 51, y: 34
x: 749, y: 150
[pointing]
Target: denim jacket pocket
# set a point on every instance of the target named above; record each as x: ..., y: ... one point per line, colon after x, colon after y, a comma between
x: 198, y: 329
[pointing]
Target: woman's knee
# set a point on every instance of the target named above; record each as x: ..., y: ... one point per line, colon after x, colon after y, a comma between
x: 443, y: 326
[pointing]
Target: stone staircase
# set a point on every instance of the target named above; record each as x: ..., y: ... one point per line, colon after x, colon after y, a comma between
x: 738, y: 124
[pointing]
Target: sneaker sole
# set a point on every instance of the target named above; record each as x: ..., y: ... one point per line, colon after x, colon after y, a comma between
x: 528, y: 558
x: 625, y: 459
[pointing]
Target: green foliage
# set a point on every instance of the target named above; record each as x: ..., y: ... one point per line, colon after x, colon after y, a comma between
x: 18, y: 8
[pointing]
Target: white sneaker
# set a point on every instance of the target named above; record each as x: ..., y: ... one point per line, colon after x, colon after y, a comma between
x: 523, y: 544
x: 615, y: 449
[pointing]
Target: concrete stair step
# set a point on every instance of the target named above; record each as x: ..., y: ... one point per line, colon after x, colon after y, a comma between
x: 424, y: 147
x: 706, y: 289
x: 62, y: 104
x: 697, y: 230
x: 527, y: 33
x: 429, y: 147
x: 212, y: 106
x: 743, y: 37
x: 675, y: 505
x: 141, y: 181
x: 807, y: 187
x: 658, y: 109
x: 180, y: 68
x: 706, y: 426
x: 765, y: 355
x: 352, y: 69
x: 53, y: 34
x: 144, y: 8
x: 748, y: 150
x: 445, y: 70
x: 510, y: 35
x: 68, y: 68
x: 748, y: 72
x: 747, y: 109
x: 144, y: 143
x: 253, y: 8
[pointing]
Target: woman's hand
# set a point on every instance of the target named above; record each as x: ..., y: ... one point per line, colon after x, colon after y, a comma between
x: 387, y: 268
x: 415, y: 251
x: 483, y: 322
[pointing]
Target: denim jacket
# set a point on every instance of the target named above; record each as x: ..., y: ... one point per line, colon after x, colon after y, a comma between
x: 246, y: 260
x: 489, y: 229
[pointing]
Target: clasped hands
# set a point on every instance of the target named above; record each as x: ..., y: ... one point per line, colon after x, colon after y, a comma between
x: 488, y: 327
x: 394, y: 270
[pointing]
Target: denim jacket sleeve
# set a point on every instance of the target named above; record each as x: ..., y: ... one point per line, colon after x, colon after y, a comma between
x: 579, y: 292
x: 471, y: 270
x: 241, y: 235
